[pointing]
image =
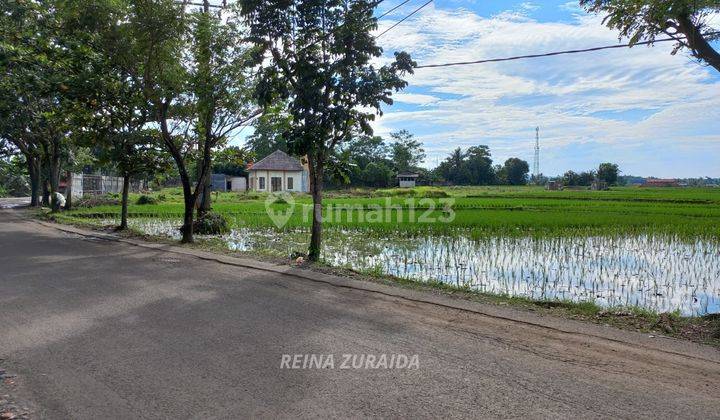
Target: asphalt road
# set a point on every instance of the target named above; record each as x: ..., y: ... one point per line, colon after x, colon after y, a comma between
x: 98, y: 329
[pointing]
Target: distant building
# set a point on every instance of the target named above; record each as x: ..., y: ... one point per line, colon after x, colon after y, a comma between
x: 656, y: 182
x: 553, y: 186
x: 599, y: 186
x: 407, y: 179
x: 279, y: 172
x: 222, y: 182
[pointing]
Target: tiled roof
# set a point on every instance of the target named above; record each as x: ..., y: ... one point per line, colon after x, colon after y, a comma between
x: 278, y: 161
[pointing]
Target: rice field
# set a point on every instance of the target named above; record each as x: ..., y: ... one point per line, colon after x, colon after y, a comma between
x: 658, y: 249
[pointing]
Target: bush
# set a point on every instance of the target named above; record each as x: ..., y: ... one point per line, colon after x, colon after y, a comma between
x: 96, y: 200
x: 211, y: 224
x: 420, y: 192
x: 433, y: 194
x: 146, y: 199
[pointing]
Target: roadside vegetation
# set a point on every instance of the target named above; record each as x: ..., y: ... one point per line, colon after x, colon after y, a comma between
x: 685, y: 212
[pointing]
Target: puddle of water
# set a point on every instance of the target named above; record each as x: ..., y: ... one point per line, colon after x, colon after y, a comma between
x: 660, y: 273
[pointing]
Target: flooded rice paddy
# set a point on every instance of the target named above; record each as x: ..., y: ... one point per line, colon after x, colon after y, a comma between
x: 660, y: 273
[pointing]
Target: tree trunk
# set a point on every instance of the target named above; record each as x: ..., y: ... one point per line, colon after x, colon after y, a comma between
x: 188, y: 196
x: 54, y: 182
x: 187, y: 230
x: 34, y: 171
x: 206, y: 199
x: 45, y: 188
x: 124, y: 210
x: 699, y: 45
x: 69, y: 192
x: 316, y: 170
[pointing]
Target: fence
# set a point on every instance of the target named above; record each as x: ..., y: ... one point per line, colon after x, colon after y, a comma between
x: 83, y: 184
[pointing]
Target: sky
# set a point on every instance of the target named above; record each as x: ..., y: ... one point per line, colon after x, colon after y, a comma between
x: 653, y: 113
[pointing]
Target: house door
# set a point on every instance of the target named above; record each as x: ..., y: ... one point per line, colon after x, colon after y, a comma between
x: 275, y: 184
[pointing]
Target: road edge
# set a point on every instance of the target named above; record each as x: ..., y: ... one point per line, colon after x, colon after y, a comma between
x: 560, y: 325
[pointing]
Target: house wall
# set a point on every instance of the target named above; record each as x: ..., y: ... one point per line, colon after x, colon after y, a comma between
x: 407, y: 184
x: 298, y: 184
x: 238, y: 183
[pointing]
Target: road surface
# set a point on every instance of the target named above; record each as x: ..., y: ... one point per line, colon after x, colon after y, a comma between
x: 98, y: 329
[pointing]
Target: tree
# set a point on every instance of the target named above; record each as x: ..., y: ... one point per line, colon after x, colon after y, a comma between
x: 405, y: 152
x: 37, y: 62
x: 319, y: 57
x: 232, y: 160
x: 195, y: 75
x: 453, y: 168
x: 687, y: 21
x: 270, y: 131
x: 473, y: 167
x: 516, y: 170
x: 479, y: 165
x: 582, y: 179
x: 608, y: 172
x: 366, y: 149
x: 377, y: 174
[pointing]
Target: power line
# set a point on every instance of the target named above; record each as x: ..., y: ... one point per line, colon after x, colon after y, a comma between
x: 404, y: 19
x: 550, y: 54
x: 393, y: 9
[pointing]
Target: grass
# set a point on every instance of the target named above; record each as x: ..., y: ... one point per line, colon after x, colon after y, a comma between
x: 685, y: 212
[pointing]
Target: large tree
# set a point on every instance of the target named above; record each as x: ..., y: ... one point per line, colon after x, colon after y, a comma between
x: 690, y: 22
x: 608, y: 172
x: 270, y: 131
x: 37, y: 61
x: 516, y: 171
x: 405, y: 152
x: 318, y: 58
x: 195, y: 76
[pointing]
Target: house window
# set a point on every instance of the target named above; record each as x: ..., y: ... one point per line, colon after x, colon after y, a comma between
x: 290, y: 183
x: 275, y: 184
x: 261, y: 183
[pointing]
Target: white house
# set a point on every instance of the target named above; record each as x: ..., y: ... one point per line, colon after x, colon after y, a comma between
x: 278, y: 172
x: 407, y: 179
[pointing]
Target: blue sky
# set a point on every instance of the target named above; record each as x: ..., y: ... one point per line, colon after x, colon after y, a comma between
x: 653, y: 113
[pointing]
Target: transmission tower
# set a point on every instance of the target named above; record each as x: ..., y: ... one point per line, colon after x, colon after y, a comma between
x: 536, y: 160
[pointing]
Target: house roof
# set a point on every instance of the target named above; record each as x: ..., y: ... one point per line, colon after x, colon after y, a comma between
x: 408, y: 175
x: 277, y: 161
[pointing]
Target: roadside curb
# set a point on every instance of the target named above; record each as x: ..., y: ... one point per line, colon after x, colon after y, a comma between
x: 554, y: 324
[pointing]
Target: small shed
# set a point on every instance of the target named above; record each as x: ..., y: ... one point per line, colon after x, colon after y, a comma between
x: 553, y: 186
x: 599, y: 186
x: 407, y: 179
x: 223, y: 183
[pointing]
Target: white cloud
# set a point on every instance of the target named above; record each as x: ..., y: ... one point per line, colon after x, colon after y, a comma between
x: 619, y: 98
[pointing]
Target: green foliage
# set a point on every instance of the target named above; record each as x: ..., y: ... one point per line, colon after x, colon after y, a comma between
x: 211, y: 223
x: 582, y: 179
x: 270, y: 131
x: 232, y: 161
x: 406, y: 152
x: 608, y: 172
x: 93, y: 201
x: 516, y: 171
x: 146, y: 199
x: 647, y: 19
x: 320, y: 59
x: 473, y: 167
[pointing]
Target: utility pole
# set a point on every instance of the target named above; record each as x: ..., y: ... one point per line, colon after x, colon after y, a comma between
x: 536, y: 160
